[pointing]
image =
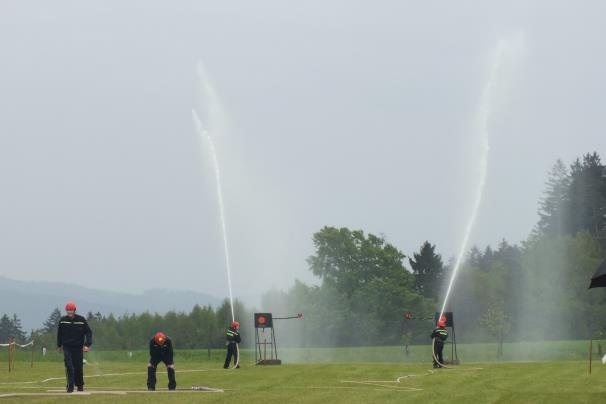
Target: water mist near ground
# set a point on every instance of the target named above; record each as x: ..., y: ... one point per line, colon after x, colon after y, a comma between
x: 505, y: 58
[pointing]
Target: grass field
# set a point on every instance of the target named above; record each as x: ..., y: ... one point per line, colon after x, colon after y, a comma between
x: 361, y: 375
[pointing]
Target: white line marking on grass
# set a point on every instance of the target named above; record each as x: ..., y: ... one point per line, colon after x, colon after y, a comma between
x: 380, y: 383
x: 377, y: 383
x: 404, y: 377
x: 63, y: 393
x: 137, y: 391
x: 312, y: 387
x: 7, y: 383
x: 124, y: 374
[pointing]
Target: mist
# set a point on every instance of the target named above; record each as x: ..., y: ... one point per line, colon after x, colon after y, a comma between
x: 323, y: 113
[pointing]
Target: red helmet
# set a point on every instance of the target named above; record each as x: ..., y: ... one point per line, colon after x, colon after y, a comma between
x: 70, y: 306
x: 441, y: 323
x: 235, y: 324
x: 160, y: 338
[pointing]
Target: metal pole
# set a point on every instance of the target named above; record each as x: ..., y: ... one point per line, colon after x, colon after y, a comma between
x: 590, y: 349
x: 273, y: 335
x: 257, y: 346
x: 454, y: 340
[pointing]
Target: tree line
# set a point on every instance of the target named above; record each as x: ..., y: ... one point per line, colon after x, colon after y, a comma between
x: 535, y: 290
x: 203, y: 327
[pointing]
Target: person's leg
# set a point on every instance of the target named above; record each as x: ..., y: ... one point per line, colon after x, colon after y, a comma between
x: 440, y: 357
x: 77, y: 357
x: 228, y: 357
x: 172, y: 382
x: 69, y: 369
x: 151, y: 374
x: 434, y: 353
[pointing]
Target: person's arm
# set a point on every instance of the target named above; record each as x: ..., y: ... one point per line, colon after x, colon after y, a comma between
x: 169, y: 350
x: 238, y: 339
x: 59, y: 334
x: 169, y: 347
x: 88, y: 334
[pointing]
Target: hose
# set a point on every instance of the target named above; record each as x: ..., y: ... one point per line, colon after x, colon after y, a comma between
x: 237, y: 356
x: 433, y: 352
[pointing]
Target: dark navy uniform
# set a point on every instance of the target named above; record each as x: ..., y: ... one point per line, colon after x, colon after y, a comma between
x: 439, y: 335
x: 232, y: 336
x: 161, y: 352
x: 72, y: 336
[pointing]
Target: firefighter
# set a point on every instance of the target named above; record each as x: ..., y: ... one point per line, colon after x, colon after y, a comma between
x: 232, y: 336
x: 438, y: 336
x: 160, y: 350
x: 74, y: 337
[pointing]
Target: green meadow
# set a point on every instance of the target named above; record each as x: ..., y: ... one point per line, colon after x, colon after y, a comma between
x: 552, y: 372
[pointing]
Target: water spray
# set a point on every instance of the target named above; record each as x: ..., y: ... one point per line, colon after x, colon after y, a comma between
x: 484, y: 125
x: 205, y: 134
x: 484, y: 116
x: 212, y: 106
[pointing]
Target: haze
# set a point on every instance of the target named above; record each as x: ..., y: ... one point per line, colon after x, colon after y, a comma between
x: 343, y: 113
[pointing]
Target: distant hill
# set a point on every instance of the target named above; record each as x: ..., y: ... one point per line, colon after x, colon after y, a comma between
x: 34, y: 301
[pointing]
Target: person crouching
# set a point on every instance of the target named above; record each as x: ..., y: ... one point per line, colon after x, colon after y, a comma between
x: 160, y: 350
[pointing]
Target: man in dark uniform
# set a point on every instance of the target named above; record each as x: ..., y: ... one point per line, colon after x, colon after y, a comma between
x: 232, y: 336
x: 73, y: 337
x: 160, y: 350
x: 438, y: 336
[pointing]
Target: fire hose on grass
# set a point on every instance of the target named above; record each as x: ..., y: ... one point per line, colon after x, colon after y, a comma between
x: 237, y: 356
x: 433, y: 352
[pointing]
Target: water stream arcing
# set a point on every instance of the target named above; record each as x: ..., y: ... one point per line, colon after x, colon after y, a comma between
x: 484, y: 116
x: 204, y: 134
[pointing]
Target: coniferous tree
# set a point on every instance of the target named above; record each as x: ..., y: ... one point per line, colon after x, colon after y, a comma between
x: 52, y: 323
x: 11, y: 328
x: 16, y: 328
x: 554, y: 205
x: 474, y: 257
x: 5, y: 328
x: 587, y: 195
x: 428, y: 269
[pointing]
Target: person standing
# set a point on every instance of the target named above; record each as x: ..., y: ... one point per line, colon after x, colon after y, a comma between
x: 160, y: 350
x: 74, y: 337
x: 232, y: 336
x: 438, y: 337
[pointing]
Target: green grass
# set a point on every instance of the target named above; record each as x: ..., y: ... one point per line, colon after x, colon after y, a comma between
x: 361, y: 375
x: 468, y: 353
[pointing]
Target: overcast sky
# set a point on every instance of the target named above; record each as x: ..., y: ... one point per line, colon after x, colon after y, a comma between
x: 361, y: 114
